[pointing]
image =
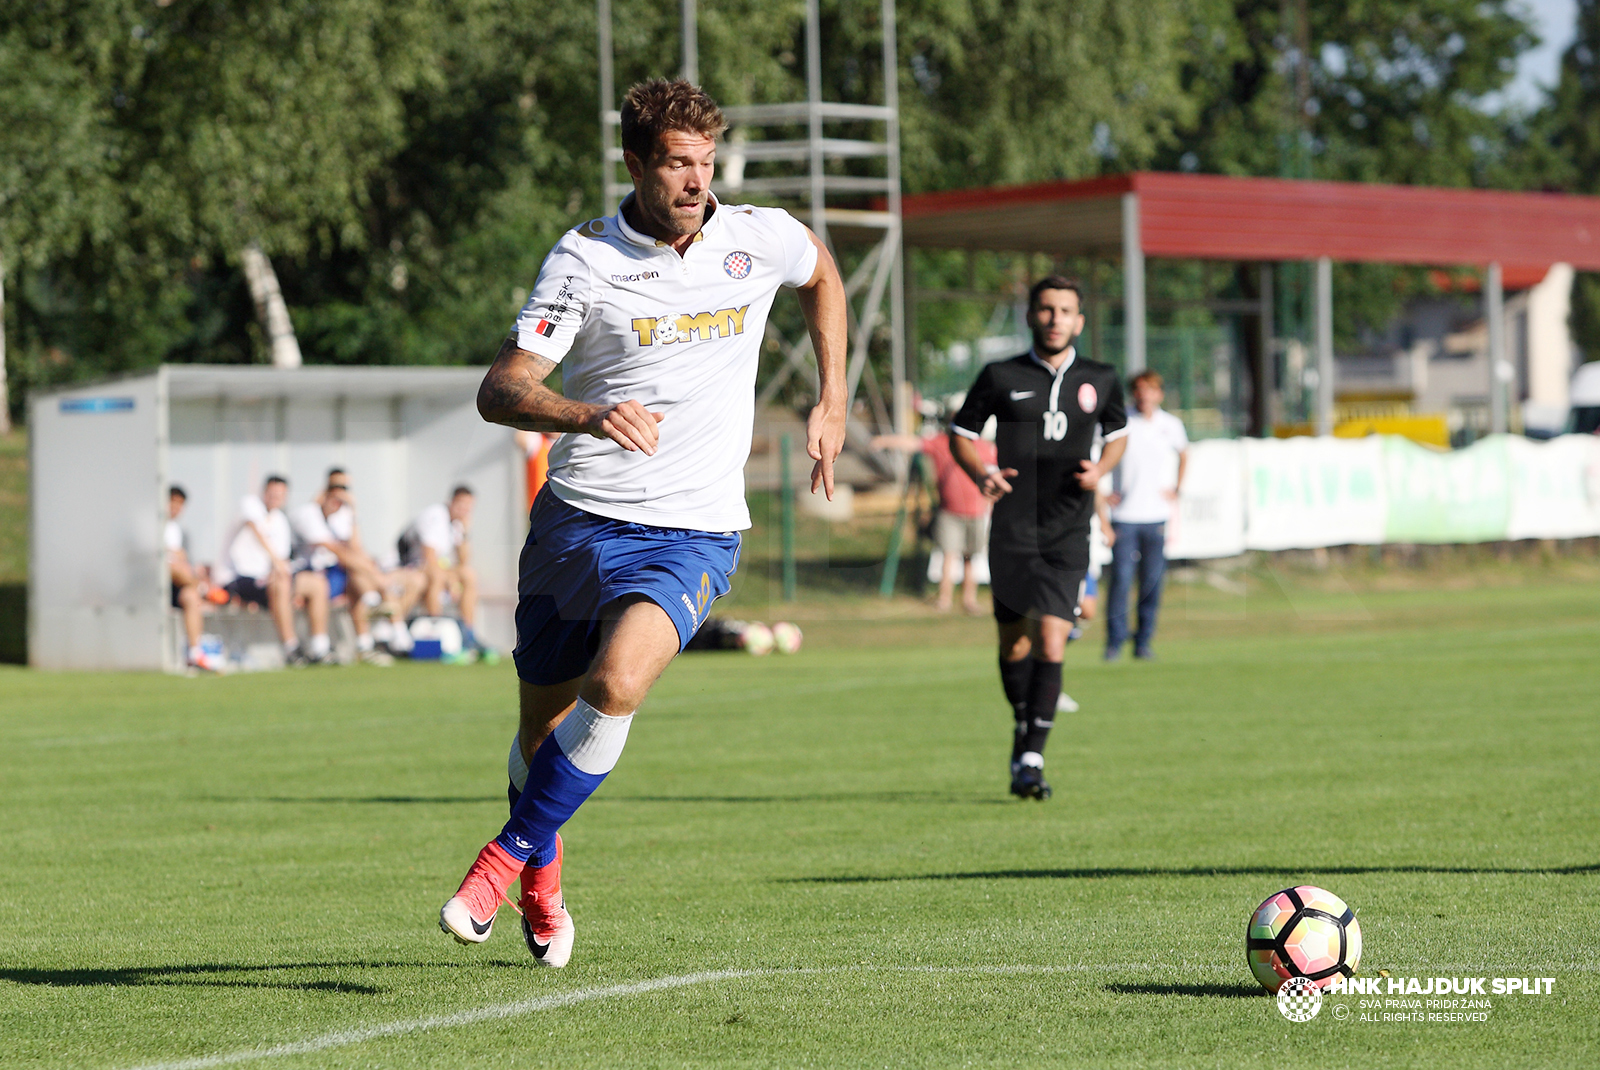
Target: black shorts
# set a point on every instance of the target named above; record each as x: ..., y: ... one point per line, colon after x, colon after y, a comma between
x: 248, y: 589
x: 176, y: 591
x: 1026, y: 585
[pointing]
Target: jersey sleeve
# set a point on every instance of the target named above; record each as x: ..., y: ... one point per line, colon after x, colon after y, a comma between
x: 1180, y: 437
x: 548, y: 324
x: 252, y: 510
x: 794, y: 245
x: 979, y: 406
x: 1114, y: 416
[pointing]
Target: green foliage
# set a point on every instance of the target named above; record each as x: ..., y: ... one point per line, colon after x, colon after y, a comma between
x: 1572, y: 126
x: 408, y: 163
x: 1369, y: 91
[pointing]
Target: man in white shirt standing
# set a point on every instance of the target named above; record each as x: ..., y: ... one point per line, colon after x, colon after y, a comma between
x: 326, y: 531
x: 258, y: 556
x: 656, y: 315
x: 1144, y: 496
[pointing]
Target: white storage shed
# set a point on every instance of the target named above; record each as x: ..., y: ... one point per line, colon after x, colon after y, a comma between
x: 104, y: 455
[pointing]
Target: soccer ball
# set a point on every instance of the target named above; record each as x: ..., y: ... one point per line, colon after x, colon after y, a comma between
x: 1303, y: 932
x: 786, y: 637
x: 757, y: 638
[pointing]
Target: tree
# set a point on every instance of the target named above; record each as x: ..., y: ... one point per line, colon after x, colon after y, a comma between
x: 1571, y: 126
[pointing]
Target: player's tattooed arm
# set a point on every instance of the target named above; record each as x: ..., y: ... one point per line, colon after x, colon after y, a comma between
x: 513, y: 393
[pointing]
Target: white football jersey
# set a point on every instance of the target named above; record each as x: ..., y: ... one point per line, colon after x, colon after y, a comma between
x: 628, y: 318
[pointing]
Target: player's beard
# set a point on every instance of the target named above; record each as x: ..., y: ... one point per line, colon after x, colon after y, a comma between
x: 1041, y: 347
x: 658, y: 206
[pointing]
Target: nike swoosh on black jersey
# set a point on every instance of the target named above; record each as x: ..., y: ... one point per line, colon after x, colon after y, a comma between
x: 1019, y: 395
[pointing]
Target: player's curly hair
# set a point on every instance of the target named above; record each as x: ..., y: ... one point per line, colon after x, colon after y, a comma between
x: 652, y: 108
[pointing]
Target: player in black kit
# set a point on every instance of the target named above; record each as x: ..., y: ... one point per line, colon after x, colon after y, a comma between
x: 1047, y: 404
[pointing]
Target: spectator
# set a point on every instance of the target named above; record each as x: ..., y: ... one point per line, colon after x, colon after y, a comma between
x: 326, y: 530
x: 258, y: 556
x: 1146, y: 488
x: 185, y: 581
x: 961, y: 526
x: 438, y: 544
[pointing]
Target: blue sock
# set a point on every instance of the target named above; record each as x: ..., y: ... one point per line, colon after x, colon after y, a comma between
x: 566, y: 769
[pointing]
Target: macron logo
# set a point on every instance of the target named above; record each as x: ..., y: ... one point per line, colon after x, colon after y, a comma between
x: 693, y: 612
x: 1018, y: 395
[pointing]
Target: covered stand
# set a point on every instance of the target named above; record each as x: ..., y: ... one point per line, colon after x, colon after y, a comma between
x: 103, y: 457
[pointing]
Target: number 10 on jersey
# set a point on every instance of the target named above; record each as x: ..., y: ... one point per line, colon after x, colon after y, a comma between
x: 1055, y: 426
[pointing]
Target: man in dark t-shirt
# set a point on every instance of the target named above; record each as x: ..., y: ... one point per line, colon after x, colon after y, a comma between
x: 1047, y: 403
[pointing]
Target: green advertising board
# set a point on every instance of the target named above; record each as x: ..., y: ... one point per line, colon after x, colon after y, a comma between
x: 1463, y: 496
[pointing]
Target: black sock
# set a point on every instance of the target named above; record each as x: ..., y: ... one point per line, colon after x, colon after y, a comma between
x: 1043, y: 690
x: 1015, y: 677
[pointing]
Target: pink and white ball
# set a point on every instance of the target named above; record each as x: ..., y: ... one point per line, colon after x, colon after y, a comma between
x: 1303, y: 931
x: 757, y: 639
x: 787, y: 637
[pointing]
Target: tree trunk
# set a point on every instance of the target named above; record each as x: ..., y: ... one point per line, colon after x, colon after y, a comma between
x: 270, y: 309
x: 5, y: 398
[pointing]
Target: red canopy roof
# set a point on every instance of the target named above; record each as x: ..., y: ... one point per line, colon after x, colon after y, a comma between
x: 1215, y: 217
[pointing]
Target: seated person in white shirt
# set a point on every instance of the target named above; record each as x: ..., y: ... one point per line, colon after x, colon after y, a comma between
x: 437, y: 544
x: 185, y: 581
x: 258, y: 556
x: 325, y: 529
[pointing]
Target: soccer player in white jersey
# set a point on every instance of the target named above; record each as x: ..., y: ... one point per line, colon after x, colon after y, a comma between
x: 656, y: 315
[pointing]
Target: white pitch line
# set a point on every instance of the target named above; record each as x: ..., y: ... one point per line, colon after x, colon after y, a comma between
x: 345, y: 1037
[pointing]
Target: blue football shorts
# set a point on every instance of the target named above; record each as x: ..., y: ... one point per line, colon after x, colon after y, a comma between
x: 338, y: 580
x: 575, y: 563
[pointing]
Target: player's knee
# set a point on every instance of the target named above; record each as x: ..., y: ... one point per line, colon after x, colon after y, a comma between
x: 1015, y: 648
x: 618, y: 689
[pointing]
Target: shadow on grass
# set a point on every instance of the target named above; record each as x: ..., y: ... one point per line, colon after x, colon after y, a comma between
x: 1198, y: 871
x: 828, y: 797
x: 450, y: 800
x: 214, y: 975
x: 358, y: 800
x: 1202, y: 991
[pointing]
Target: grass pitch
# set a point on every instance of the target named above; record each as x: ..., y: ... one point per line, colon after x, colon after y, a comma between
x: 813, y: 861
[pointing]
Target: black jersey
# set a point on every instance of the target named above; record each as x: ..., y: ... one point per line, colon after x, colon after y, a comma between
x: 1047, y: 422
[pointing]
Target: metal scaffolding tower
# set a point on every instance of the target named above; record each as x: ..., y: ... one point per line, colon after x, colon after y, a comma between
x: 876, y: 286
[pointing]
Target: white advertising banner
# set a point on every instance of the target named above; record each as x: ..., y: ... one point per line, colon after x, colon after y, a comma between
x: 1209, y: 518
x: 1302, y: 493
x: 1555, y: 488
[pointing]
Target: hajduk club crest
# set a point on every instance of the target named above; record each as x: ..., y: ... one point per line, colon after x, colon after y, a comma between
x: 737, y: 265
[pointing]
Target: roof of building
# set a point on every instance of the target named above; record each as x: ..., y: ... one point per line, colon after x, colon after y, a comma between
x: 1219, y: 217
